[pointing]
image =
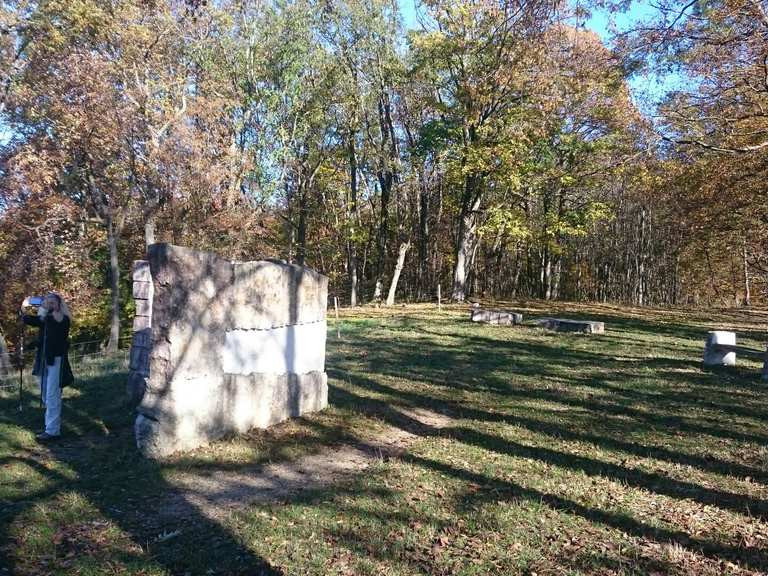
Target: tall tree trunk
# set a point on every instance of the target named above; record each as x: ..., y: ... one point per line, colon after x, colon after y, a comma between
x: 106, y: 212
x: 466, y: 238
x: 150, y: 224
x: 386, y: 180
x: 547, y: 279
x: 423, y: 238
x: 555, y: 281
x: 641, y: 271
x: 290, y: 229
x: 301, y: 232
x: 516, y: 275
x: 747, y: 299
x: 712, y: 281
x: 114, y: 284
x: 398, y: 269
x: 352, y: 246
x: 388, y: 175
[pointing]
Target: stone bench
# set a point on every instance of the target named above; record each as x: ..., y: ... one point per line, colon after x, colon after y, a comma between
x: 563, y: 325
x: 721, y: 349
x: 496, y: 317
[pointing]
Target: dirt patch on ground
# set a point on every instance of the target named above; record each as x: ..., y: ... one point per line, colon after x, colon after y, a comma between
x: 216, y: 493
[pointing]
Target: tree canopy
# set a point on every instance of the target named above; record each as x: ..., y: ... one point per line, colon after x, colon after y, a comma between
x: 495, y: 151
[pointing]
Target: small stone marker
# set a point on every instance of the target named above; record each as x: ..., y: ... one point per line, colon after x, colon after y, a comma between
x: 496, y: 317
x: 563, y: 325
x: 716, y: 356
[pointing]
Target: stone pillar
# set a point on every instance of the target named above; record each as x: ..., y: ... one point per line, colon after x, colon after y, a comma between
x: 715, y: 357
x: 141, y: 345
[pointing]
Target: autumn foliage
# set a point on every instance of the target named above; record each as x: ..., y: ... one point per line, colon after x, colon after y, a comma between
x: 496, y: 152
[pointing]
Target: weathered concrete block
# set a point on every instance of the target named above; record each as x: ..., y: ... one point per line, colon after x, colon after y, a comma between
x: 135, y: 388
x: 195, y: 412
x: 139, y: 360
x: 232, y: 346
x: 564, y: 325
x: 716, y: 357
x: 141, y: 271
x: 275, y: 350
x: 143, y: 307
x: 142, y: 290
x: 271, y: 294
x: 498, y: 317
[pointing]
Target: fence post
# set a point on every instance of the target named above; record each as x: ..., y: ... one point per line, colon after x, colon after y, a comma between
x: 336, y: 307
x: 20, y: 350
x: 439, y: 300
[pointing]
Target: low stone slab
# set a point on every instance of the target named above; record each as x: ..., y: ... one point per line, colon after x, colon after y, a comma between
x: 565, y: 325
x: 496, y: 317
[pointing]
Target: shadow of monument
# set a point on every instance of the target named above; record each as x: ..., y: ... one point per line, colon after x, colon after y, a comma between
x: 125, y: 488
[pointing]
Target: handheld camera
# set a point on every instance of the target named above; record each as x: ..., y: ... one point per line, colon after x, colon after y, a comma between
x: 33, y: 301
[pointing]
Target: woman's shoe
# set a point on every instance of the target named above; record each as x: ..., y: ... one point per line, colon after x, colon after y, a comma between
x: 45, y: 437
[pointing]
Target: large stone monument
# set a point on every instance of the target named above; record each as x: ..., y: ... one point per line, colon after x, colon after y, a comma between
x: 221, y: 347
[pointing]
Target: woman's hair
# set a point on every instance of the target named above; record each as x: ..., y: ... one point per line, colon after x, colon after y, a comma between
x: 63, y: 308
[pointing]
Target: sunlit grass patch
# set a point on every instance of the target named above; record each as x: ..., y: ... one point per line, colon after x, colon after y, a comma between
x: 67, y: 534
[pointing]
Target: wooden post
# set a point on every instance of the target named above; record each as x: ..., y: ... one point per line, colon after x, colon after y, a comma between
x: 439, y: 302
x: 20, y: 351
x: 336, y: 307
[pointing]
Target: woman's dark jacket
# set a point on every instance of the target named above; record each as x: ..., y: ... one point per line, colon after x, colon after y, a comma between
x: 54, y: 341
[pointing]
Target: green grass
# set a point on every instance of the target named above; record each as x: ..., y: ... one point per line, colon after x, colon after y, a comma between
x: 556, y: 454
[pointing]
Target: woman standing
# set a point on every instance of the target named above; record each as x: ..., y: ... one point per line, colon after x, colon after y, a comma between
x: 51, y: 361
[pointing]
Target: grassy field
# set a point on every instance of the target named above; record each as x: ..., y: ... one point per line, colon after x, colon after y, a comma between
x: 541, y: 453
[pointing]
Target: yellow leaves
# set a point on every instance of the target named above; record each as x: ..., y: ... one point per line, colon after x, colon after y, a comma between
x: 427, y: 41
x: 577, y: 222
x: 505, y: 221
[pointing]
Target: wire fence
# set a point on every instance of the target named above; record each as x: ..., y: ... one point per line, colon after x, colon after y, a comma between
x: 14, y: 374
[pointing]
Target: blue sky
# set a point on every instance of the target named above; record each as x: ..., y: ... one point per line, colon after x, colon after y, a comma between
x: 647, y: 87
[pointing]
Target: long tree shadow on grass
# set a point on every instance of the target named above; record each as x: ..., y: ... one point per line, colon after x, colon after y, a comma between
x: 494, y: 489
x: 653, y: 482
x: 485, y: 488
x: 675, y: 328
x: 124, y: 487
x: 560, y: 431
x: 473, y: 368
x: 567, y: 351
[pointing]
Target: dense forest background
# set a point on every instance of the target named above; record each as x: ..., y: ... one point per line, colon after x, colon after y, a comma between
x: 495, y: 150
